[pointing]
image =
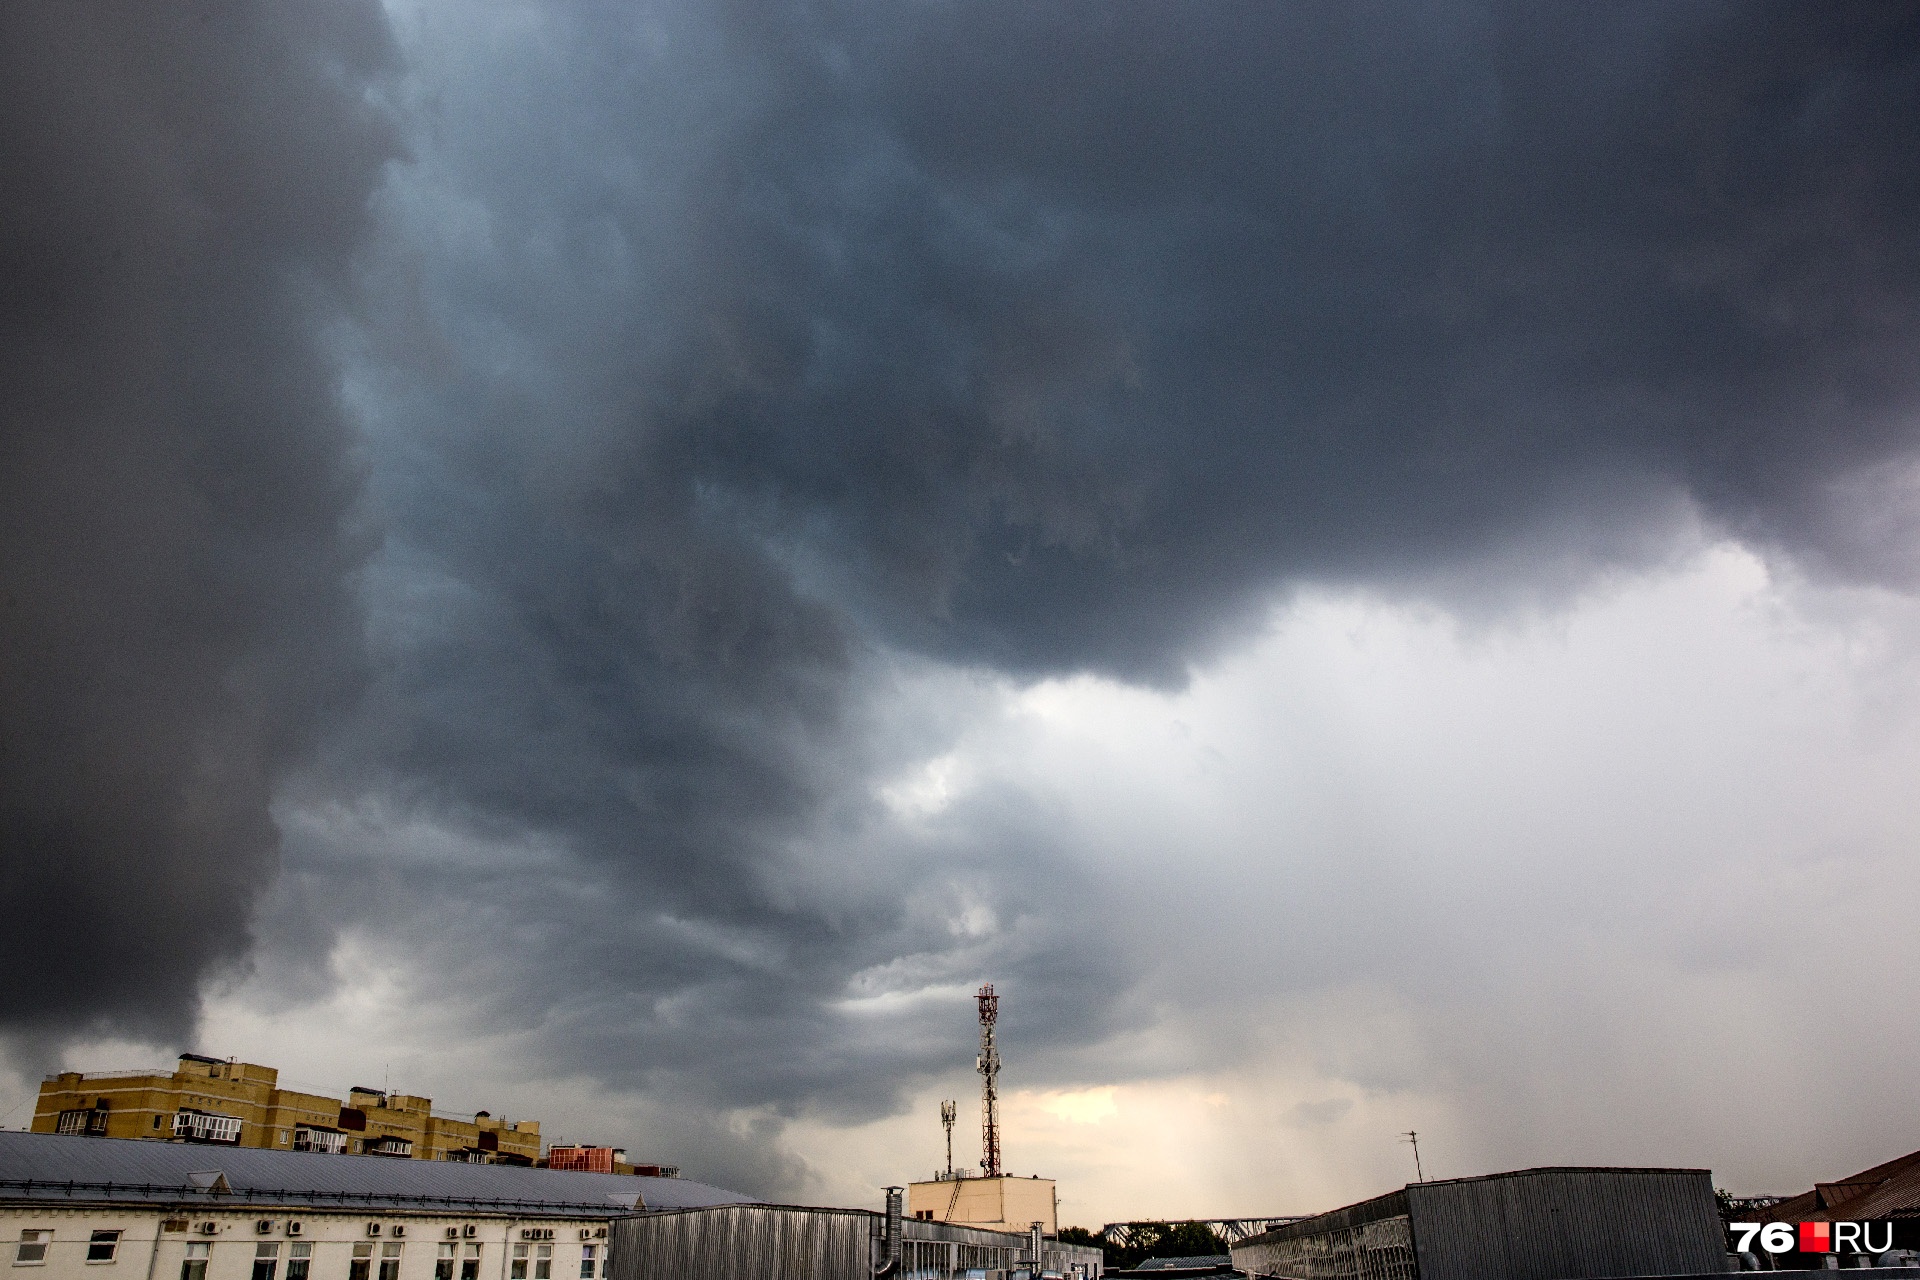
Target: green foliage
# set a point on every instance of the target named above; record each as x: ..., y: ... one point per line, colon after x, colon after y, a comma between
x: 1163, y: 1240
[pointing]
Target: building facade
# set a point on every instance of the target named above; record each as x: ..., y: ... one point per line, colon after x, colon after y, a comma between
x: 126, y: 1210
x: 1005, y: 1203
x: 1533, y: 1224
x: 789, y: 1242
x: 241, y: 1104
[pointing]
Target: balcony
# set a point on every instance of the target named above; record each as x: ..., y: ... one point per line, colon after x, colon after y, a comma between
x: 206, y: 1126
x: 324, y: 1141
x: 401, y: 1147
x: 92, y: 1122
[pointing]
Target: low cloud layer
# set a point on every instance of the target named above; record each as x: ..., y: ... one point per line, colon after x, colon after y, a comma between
x: 584, y: 504
x: 185, y: 187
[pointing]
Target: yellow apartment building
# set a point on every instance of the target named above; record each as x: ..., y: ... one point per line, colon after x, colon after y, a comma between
x: 242, y: 1104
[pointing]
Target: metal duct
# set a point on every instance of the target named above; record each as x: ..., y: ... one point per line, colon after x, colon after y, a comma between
x: 890, y: 1264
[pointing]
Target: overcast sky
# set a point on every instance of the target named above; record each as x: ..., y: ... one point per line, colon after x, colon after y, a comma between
x: 611, y: 562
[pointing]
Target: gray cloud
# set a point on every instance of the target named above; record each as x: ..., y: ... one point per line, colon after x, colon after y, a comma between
x: 725, y: 360
x: 185, y: 184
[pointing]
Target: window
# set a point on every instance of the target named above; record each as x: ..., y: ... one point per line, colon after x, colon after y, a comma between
x: 206, y: 1126
x: 92, y: 1121
x: 390, y: 1262
x: 299, y: 1260
x: 33, y: 1248
x: 266, y: 1259
x: 470, y: 1265
x: 195, y: 1266
x: 589, y: 1255
x: 519, y: 1269
x: 543, y: 1262
x: 156, y: 1120
x: 362, y: 1263
x: 102, y: 1245
x: 443, y: 1264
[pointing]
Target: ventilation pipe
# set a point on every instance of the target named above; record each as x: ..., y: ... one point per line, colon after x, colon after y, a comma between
x: 890, y: 1259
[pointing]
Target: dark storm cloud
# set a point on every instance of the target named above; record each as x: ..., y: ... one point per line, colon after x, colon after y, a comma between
x: 727, y: 351
x: 1062, y: 328
x: 731, y: 360
x: 183, y: 186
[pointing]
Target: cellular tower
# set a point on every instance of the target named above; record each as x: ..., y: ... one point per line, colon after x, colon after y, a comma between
x: 989, y: 1068
x: 992, y: 1198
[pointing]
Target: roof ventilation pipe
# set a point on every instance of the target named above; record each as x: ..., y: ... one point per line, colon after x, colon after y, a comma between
x: 890, y: 1259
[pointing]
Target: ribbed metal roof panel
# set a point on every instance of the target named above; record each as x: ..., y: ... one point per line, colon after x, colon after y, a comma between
x: 1542, y: 1224
x: 64, y: 1166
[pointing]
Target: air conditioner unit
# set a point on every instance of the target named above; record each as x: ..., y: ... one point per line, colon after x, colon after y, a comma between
x: 293, y: 1228
x: 599, y: 1233
x: 453, y: 1233
x: 373, y: 1228
x: 209, y: 1228
x: 586, y: 1233
x: 263, y: 1227
x: 469, y: 1231
x: 399, y: 1230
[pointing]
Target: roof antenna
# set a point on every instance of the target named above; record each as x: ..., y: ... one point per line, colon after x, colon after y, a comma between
x: 1414, y: 1137
x: 949, y: 1112
x: 988, y: 1065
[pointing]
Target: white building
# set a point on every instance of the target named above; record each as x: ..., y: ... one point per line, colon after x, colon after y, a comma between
x: 84, y: 1208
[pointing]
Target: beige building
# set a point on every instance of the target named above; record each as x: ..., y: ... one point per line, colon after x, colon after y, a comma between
x: 1005, y: 1203
x: 241, y: 1104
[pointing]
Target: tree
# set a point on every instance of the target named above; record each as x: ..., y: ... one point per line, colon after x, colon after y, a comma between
x: 1164, y: 1240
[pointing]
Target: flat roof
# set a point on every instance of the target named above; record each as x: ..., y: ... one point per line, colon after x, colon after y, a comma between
x: 1394, y: 1203
x: 50, y: 1167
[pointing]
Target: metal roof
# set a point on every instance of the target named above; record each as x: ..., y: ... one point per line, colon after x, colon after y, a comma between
x: 1890, y: 1190
x: 71, y: 1167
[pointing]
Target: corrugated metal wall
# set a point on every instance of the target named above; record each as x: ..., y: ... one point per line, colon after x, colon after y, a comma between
x: 1553, y: 1224
x: 783, y: 1242
x: 1379, y: 1249
x: 744, y: 1242
x: 941, y: 1250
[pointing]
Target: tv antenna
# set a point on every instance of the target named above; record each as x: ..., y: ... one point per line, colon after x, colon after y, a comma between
x: 1414, y: 1137
x: 988, y: 1065
x: 949, y: 1112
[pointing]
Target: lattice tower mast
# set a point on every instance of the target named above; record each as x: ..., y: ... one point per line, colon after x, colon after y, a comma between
x: 989, y: 1068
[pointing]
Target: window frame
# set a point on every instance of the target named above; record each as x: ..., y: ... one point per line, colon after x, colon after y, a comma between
x: 104, y: 1237
x: 40, y: 1238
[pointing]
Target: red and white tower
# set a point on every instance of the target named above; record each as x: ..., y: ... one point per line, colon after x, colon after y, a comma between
x: 989, y: 1068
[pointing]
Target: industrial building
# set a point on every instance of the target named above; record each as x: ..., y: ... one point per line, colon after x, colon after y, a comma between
x: 1534, y: 1224
x: 241, y: 1104
x: 787, y: 1242
x: 1004, y: 1203
x: 96, y: 1210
